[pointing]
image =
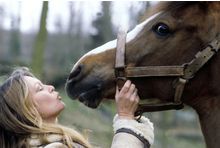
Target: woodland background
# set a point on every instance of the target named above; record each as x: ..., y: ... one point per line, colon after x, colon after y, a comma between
x: 51, y: 54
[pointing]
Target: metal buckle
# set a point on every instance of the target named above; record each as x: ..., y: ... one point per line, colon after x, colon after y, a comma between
x: 120, y: 72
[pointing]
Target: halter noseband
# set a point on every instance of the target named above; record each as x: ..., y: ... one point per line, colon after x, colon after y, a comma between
x: 183, y: 73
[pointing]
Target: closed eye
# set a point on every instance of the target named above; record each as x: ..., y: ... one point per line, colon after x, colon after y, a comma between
x: 39, y: 87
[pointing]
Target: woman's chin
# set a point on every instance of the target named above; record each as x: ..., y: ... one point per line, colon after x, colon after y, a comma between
x: 63, y: 105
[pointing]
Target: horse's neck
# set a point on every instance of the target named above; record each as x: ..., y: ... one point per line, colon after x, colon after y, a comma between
x: 210, y: 124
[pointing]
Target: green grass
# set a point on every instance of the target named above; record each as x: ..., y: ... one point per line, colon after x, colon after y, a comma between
x: 170, y: 131
x: 95, y: 123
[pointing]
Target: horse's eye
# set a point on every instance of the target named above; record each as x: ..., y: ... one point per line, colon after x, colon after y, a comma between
x: 161, y: 29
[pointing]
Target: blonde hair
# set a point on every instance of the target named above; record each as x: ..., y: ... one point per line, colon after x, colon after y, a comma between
x: 20, y: 119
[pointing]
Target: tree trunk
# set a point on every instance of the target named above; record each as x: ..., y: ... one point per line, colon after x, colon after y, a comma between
x: 39, y: 44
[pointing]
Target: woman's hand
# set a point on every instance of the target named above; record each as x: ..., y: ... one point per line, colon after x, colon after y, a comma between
x: 127, y: 100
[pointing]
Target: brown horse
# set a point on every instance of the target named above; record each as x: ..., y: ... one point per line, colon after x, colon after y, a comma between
x: 172, y: 34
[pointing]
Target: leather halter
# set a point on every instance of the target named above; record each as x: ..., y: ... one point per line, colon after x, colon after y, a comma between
x: 183, y: 73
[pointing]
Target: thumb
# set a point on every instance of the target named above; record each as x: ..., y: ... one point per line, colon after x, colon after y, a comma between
x: 117, y: 92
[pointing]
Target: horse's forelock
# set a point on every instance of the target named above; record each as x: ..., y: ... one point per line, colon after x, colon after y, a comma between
x: 176, y: 7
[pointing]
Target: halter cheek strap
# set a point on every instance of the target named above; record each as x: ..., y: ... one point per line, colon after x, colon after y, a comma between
x: 183, y: 72
x: 120, y: 59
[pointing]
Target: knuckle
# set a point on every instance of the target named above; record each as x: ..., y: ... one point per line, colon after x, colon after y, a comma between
x: 127, y: 96
x: 132, y: 99
x: 125, y: 89
x: 136, y: 100
x: 132, y: 85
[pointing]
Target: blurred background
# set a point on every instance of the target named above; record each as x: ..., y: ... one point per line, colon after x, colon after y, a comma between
x: 49, y: 37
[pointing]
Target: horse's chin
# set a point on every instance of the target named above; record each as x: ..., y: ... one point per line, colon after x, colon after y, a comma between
x: 91, y: 98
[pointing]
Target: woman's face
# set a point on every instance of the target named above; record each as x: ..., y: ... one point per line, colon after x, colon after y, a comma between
x: 47, y: 100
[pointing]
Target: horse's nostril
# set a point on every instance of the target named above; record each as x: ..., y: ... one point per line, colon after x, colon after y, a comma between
x: 75, y: 73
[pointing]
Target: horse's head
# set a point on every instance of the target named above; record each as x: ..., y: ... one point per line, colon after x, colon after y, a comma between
x: 171, y: 35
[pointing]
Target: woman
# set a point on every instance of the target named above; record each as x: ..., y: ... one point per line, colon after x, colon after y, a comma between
x: 29, y: 111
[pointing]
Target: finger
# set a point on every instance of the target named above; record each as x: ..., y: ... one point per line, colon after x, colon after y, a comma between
x: 117, y: 89
x: 134, y: 95
x: 132, y: 88
x: 126, y: 86
x: 138, y: 99
x: 116, y: 93
x: 130, y: 91
x: 135, y: 99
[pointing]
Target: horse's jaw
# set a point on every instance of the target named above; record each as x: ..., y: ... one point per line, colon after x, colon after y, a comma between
x: 90, y: 91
